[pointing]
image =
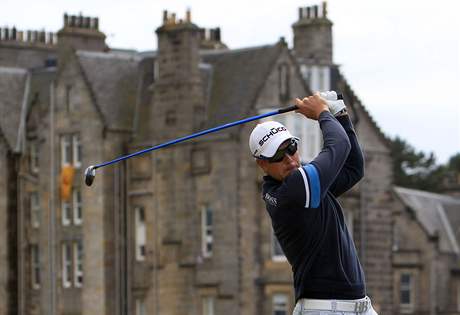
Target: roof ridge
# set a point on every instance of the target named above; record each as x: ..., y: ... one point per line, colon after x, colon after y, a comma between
x: 428, y: 194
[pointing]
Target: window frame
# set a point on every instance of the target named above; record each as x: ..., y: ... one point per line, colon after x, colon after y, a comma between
x: 77, y: 206
x: 207, y: 235
x: 140, y: 237
x: 280, y: 307
x: 209, y: 305
x: 35, y: 209
x: 409, y: 288
x: 77, y: 260
x: 34, y: 159
x: 35, y: 267
x: 66, y: 267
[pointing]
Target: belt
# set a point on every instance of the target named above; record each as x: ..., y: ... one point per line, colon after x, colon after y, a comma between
x: 358, y: 306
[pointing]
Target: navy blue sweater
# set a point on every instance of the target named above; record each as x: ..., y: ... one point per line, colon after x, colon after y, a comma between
x: 308, y: 220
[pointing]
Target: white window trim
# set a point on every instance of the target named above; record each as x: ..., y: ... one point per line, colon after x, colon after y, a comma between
x: 34, y: 156
x: 35, y: 209
x: 66, y: 213
x: 140, y: 306
x: 77, y: 204
x: 407, y: 307
x: 140, y: 232
x: 76, y: 149
x: 209, y: 305
x: 280, y: 303
x: 77, y: 263
x: 66, y: 265
x: 65, y: 143
x: 206, y: 232
x: 35, y: 266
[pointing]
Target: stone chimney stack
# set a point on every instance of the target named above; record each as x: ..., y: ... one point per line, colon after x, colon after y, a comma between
x: 80, y: 33
x: 313, y: 36
x: 178, y: 49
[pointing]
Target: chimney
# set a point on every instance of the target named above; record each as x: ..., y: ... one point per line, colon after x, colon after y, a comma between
x: 79, y: 33
x: 178, y: 49
x: 313, y: 36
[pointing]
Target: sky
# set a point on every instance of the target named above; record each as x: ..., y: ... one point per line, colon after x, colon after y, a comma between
x: 401, y: 57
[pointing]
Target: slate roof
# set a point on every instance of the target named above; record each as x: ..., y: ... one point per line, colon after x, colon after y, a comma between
x: 235, y: 80
x: 437, y: 214
x: 113, y: 78
x: 12, y: 89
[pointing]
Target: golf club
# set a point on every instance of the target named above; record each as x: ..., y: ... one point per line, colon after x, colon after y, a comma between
x: 90, y: 172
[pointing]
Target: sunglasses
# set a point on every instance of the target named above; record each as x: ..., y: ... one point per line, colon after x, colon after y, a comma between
x: 290, y: 149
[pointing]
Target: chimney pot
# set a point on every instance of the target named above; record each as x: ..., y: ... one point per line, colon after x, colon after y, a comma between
x: 72, y: 21
x: 87, y: 23
x: 218, y: 34
x: 315, y: 10
x: 66, y: 20
x: 188, y: 16
x: 165, y: 16
x: 173, y: 18
x: 300, y: 13
x: 13, y: 33
x: 96, y: 24
x: 308, y: 12
x: 324, y: 9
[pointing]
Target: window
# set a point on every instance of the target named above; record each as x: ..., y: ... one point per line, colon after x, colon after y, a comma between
x: 280, y: 306
x: 277, y: 251
x: 72, y: 264
x: 406, y: 291
x: 140, y: 307
x: 206, y: 231
x: 78, y: 264
x: 35, y: 266
x: 77, y: 206
x: 35, y: 209
x: 76, y: 151
x: 66, y: 213
x: 208, y: 305
x: 283, y: 80
x: 66, y: 265
x: 34, y: 157
x: 140, y: 237
x: 71, y: 211
x: 71, y: 150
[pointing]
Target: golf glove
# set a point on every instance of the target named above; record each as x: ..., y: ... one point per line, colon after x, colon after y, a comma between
x: 336, y: 106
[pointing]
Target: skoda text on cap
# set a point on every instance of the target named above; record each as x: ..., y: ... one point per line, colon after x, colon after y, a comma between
x: 267, y: 137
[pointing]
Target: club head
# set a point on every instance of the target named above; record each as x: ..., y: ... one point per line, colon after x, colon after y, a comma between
x: 90, y: 173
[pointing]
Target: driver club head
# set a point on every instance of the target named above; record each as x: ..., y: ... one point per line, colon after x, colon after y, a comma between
x: 90, y: 173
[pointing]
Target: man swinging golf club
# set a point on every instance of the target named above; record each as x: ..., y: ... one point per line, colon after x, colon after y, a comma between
x: 306, y: 217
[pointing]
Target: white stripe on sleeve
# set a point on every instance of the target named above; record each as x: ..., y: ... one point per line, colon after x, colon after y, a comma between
x: 307, y: 187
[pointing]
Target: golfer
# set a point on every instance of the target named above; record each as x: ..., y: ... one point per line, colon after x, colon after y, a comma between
x: 307, y: 219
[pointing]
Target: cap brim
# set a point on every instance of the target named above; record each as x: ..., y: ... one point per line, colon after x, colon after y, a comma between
x: 271, y: 149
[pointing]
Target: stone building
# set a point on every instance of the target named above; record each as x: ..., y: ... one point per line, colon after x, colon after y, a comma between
x: 426, y: 253
x: 185, y: 223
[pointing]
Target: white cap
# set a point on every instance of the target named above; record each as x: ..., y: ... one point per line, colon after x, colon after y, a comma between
x: 266, y: 138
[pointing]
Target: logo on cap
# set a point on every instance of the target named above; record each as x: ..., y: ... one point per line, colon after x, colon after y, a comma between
x: 272, y: 132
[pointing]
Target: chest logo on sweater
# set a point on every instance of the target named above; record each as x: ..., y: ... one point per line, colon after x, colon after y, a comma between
x: 270, y: 199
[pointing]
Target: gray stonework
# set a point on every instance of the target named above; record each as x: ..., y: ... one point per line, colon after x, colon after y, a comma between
x: 119, y: 102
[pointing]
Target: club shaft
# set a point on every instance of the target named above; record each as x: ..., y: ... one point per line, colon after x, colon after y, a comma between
x: 198, y: 134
